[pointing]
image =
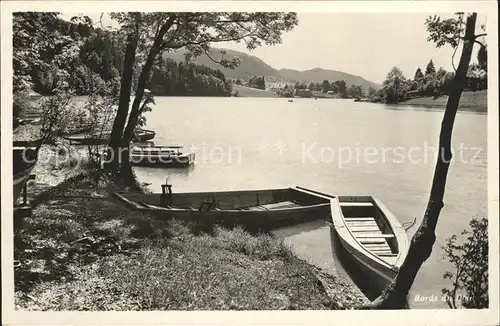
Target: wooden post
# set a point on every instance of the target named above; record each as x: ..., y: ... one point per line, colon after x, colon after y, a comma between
x: 164, y: 189
x: 25, y: 194
x: 170, y: 199
x: 163, y: 199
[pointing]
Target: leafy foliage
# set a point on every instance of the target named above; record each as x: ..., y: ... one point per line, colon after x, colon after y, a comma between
x: 257, y: 82
x: 482, y: 58
x: 326, y: 86
x: 445, y: 31
x: 355, y: 91
x: 430, y: 69
x: 418, y: 74
x: 56, y: 114
x: 340, y: 87
x: 470, y: 260
x: 51, y: 54
x: 187, y: 79
x: 395, y: 86
x: 196, y: 31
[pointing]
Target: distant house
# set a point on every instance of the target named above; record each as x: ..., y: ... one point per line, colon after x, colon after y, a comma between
x: 329, y: 92
x: 476, y: 79
x: 276, y: 86
x: 304, y: 92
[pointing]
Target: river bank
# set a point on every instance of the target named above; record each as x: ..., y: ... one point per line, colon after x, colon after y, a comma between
x: 83, y: 250
x: 469, y: 101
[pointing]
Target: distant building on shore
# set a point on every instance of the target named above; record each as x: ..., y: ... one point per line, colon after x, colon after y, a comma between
x: 476, y: 79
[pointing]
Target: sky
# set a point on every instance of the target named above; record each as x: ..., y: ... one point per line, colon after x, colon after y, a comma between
x: 363, y: 44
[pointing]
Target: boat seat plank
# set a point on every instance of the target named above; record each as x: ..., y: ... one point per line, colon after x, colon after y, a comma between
x: 362, y: 223
x: 385, y: 236
x: 374, y: 244
x: 356, y: 204
x: 358, y: 219
x: 368, y: 241
x: 364, y: 228
x: 378, y: 246
x: 363, y: 234
x: 388, y: 255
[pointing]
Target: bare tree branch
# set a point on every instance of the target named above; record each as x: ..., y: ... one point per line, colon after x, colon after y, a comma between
x: 476, y: 41
x: 453, y: 58
x: 207, y: 53
x: 168, y: 45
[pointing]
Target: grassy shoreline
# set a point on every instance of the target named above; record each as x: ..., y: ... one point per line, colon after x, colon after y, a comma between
x: 83, y: 250
x: 469, y: 101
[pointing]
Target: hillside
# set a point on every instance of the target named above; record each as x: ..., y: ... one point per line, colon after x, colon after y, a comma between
x: 318, y: 75
x: 253, y: 66
x: 249, y: 66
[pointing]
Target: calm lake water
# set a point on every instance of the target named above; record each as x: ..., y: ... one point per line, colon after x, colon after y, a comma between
x: 334, y: 146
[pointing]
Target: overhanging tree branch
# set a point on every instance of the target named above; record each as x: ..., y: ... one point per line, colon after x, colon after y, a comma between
x: 168, y: 45
x: 480, y: 43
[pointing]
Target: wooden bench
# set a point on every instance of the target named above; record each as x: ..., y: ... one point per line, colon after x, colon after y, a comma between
x: 359, y: 219
x: 384, y: 236
x: 356, y: 204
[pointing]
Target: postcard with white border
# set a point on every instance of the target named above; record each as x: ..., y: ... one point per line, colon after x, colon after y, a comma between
x: 250, y: 162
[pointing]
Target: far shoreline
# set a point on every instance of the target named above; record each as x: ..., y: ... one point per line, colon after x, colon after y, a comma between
x: 469, y: 101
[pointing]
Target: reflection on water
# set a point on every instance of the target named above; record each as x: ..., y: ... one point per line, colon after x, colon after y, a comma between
x: 311, y: 242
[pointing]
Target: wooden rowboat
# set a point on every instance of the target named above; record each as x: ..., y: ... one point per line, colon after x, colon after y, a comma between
x: 24, y: 159
x: 372, y: 236
x: 253, y: 209
x: 150, y: 155
x: 102, y: 138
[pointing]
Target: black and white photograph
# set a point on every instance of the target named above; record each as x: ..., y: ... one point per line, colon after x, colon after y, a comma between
x: 292, y: 159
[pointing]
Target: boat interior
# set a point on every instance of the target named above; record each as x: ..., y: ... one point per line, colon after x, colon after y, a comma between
x: 369, y: 226
x: 256, y: 200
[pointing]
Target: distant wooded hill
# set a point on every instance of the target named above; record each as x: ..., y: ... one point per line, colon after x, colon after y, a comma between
x: 253, y: 66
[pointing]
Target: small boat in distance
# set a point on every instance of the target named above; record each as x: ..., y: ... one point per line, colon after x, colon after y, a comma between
x: 151, y: 155
x: 372, y: 236
x: 24, y: 159
x: 101, y: 138
x: 253, y: 209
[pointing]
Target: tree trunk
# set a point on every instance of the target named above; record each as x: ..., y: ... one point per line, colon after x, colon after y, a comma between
x: 115, y: 141
x: 394, y: 296
x: 143, y: 79
x: 139, y: 94
x: 126, y: 169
